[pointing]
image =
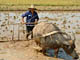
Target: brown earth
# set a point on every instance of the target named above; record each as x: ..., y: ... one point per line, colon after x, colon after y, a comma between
x: 21, y: 50
x: 24, y: 50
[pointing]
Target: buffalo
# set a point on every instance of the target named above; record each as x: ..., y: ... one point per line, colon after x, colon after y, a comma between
x: 48, y: 35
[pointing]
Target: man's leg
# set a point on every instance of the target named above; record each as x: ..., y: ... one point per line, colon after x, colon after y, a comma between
x: 31, y: 31
x: 28, y: 31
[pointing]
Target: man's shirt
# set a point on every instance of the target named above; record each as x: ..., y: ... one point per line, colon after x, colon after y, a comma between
x: 30, y: 18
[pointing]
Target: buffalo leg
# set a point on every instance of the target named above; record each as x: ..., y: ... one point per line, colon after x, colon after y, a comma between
x: 44, y: 51
x: 56, y: 52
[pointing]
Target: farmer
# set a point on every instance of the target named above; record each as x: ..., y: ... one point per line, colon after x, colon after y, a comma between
x: 31, y: 19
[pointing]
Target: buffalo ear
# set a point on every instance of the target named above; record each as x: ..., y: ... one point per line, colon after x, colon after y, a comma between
x: 68, y: 42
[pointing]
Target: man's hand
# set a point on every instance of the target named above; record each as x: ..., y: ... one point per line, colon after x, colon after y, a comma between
x: 36, y: 22
x: 22, y: 20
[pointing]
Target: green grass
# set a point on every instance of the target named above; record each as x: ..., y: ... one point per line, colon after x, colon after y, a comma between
x: 41, y: 2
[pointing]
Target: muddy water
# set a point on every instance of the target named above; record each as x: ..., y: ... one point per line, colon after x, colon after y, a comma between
x: 66, y: 21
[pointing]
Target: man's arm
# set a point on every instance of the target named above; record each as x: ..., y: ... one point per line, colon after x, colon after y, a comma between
x: 22, y: 19
x: 37, y: 19
x: 24, y: 15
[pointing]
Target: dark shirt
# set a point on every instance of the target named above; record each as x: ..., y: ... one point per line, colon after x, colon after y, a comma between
x: 30, y: 18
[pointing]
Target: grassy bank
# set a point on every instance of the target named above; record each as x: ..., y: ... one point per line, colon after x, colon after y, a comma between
x: 40, y: 4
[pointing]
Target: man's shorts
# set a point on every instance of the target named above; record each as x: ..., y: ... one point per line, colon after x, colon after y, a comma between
x: 29, y: 28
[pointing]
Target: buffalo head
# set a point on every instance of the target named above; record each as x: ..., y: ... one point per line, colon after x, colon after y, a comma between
x: 69, y: 47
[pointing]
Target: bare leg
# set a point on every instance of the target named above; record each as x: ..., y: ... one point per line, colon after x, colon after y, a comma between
x: 27, y: 35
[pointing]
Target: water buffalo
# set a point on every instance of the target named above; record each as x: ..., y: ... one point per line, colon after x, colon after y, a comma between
x: 48, y: 35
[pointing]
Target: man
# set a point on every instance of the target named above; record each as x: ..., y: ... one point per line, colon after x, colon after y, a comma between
x: 31, y: 19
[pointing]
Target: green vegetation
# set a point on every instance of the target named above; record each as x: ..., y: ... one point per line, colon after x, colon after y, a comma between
x: 40, y: 2
x: 23, y: 4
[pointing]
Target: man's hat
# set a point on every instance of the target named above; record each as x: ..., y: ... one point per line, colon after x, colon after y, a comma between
x: 32, y: 7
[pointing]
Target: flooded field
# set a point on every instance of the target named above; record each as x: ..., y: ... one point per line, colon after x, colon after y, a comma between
x: 12, y: 29
x: 10, y: 22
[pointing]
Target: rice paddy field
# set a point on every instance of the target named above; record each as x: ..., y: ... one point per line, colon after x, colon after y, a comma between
x: 40, y: 4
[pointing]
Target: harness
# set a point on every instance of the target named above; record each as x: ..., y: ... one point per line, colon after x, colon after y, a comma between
x: 49, y: 34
